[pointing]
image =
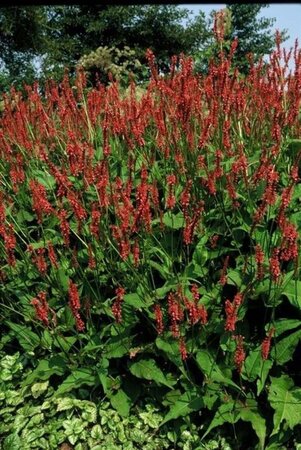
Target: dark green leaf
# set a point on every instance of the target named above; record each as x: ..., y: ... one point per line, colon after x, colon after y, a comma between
x: 47, y: 367
x: 117, y: 346
x: 78, y: 378
x: 27, y: 339
x: 283, y: 350
x: 209, y: 367
x: 148, y: 370
x: 121, y: 402
x: 171, y: 349
x: 134, y: 300
x: 185, y: 404
x: 286, y: 401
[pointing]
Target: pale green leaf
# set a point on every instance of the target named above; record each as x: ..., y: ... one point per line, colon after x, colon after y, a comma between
x: 64, y: 403
x: 38, y: 389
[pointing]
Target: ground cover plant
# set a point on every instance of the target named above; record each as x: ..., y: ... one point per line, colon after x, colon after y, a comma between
x: 150, y: 249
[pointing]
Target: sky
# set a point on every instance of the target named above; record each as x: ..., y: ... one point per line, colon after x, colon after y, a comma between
x: 287, y: 15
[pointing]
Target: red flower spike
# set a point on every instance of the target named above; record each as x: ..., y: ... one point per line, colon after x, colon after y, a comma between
x: 266, y: 344
x: 52, y: 256
x: 92, y: 262
x: 40, y: 204
x: 41, y: 307
x: 202, y: 314
x: 159, y: 319
x: 74, y: 304
x: 231, y: 316
x: 136, y: 253
x: 240, y: 355
x: 223, y: 278
x: 39, y: 261
x: 64, y: 226
x: 117, y: 305
x: 182, y: 348
x: 259, y: 258
x: 275, y: 270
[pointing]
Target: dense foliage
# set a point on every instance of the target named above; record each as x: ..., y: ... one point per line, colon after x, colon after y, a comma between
x: 150, y: 249
x: 32, y: 417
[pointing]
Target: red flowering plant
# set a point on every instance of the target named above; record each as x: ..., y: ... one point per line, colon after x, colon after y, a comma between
x: 159, y: 238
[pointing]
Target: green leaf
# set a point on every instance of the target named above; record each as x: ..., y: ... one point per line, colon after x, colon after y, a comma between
x: 252, y: 365
x: 234, y: 278
x: 172, y: 283
x: 27, y: 339
x: 148, y: 370
x: 283, y: 350
x: 292, y: 291
x: 24, y: 215
x: 64, y: 403
x: 173, y: 221
x: 294, y: 146
x: 264, y: 371
x: 255, y: 368
x: 283, y: 325
x: 121, y: 402
x: 200, y: 254
x: 171, y: 397
x: 134, y: 300
x: 249, y: 413
x: 47, y: 367
x: 286, y: 401
x: 164, y: 272
x: 102, y: 372
x: 117, y: 346
x: 226, y: 413
x: 209, y: 367
x: 63, y: 279
x: 170, y: 347
x: 64, y: 343
x: 73, y: 428
x: 89, y: 410
x: 45, y: 178
x: 185, y: 404
x: 78, y: 378
x: 46, y: 340
x: 12, y: 442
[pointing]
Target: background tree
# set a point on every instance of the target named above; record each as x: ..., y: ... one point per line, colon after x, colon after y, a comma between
x: 41, y: 41
x: 77, y: 30
x: 22, y: 39
x: 255, y: 35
